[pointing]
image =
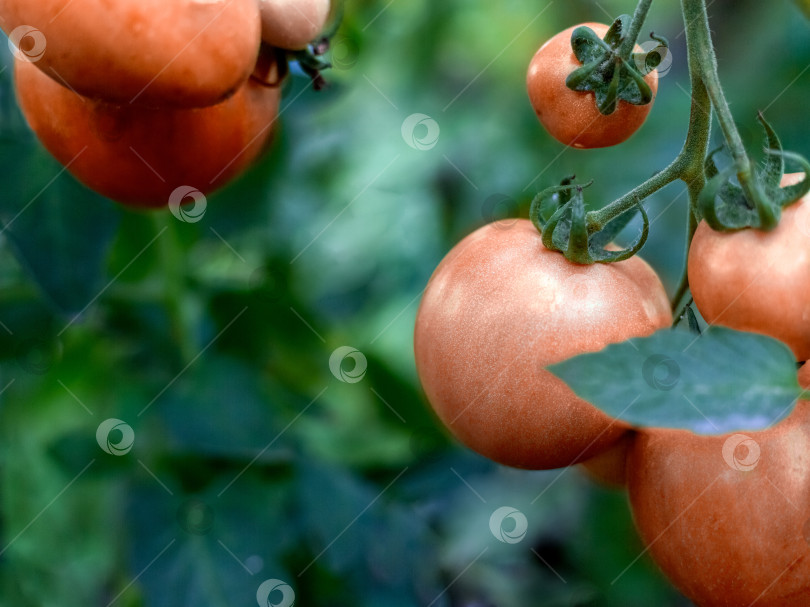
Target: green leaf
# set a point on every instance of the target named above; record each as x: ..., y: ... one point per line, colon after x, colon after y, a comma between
x: 357, y: 531
x: 722, y: 381
x: 59, y: 230
x: 207, y: 549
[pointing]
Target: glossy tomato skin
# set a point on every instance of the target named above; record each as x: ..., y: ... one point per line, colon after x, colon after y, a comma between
x: 501, y: 307
x: 757, y: 281
x: 160, y: 53
x: 571, y: 117
x: 729, y: 527
x: 139, y: 156
x: 292, y: 24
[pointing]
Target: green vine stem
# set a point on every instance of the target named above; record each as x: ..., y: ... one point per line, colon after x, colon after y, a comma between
x: 683, y: 285
x: 707, y: 93
x: 629, y: 42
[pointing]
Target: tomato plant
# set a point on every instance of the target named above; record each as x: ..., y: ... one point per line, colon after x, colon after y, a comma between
x: 182, y: 53
x: 570, y: 116
x: 265, y: 359
x: 147, y: 153
x: 501, y: 322
x: 497, y: 310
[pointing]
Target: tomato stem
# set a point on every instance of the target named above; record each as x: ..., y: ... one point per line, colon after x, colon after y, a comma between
x: 683, y: 285
x: 629, y: 41
x: 703, y: 61
x: 688, y: 165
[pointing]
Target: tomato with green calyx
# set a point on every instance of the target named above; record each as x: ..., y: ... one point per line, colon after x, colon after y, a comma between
x: 572, y: 117
x: 757, y: 281
x: 727, y: 518
x: 140, y: 156
x: 499, y: 309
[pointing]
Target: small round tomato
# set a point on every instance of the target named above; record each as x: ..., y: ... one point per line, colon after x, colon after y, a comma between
x: 727, y: 518
x: 140, y: 156
x: 757, y: 281
x: 499, y: 309
x: 292, y: 24
x: 571, y: 117
x: 181, y: 53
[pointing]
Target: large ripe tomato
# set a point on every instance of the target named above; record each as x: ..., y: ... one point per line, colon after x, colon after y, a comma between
x: 500, y: 308
x: 292, y: 24
x: 571, y: 117
x: 757, y: 281
x: 178, y: 53
x: 727, y: 518
x: 138, y: 155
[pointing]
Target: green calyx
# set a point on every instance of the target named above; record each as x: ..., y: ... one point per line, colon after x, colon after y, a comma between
x: 605, y: 70
x: 757, y: 200
x: 311, y: 60
x: 559, y: 214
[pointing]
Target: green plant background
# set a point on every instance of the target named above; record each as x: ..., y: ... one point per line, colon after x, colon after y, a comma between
x: 212, y: 340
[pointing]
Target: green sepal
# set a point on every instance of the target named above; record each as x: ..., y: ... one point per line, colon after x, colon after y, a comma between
x: 691, y: 318
x: 602, y: 238
x: 615, y: 33
x: 605, y: 72
x: 559, y: 215
x: 758, y: 200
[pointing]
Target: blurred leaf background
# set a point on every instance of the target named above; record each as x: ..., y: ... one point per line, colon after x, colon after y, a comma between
x: 212, y: 341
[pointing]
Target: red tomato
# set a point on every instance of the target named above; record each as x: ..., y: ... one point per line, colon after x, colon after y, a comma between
x: 500, y: 308
x: 168, y: 53
x: 140, y: 156
x: 727, y: 518
x: 571, y: 117
x: 757, y: 281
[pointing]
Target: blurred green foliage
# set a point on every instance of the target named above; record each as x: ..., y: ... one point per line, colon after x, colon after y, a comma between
x: 212, y: 340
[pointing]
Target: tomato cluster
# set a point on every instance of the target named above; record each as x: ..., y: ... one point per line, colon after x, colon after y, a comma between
x: 138, y: 98
x: 727, y: 518
x: 500, y: 308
